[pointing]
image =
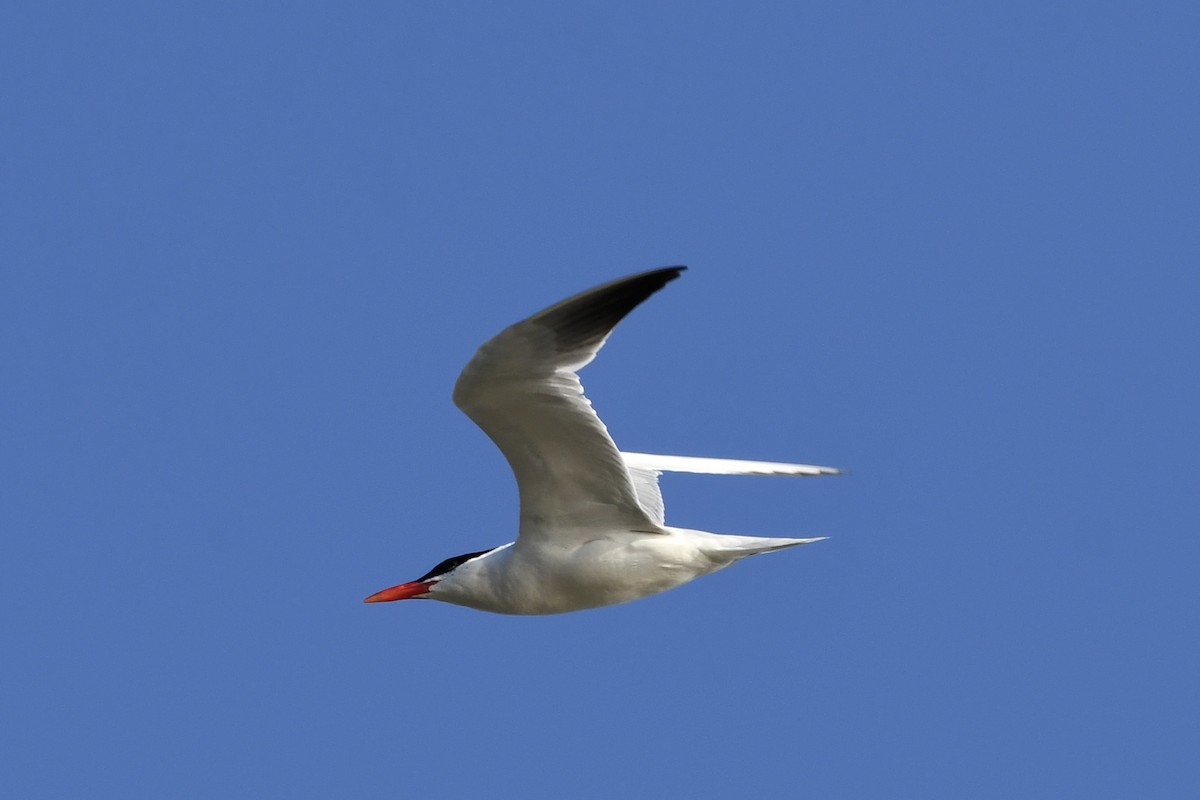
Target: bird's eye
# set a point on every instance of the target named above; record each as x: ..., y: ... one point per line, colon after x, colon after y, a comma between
x: 451, y: 564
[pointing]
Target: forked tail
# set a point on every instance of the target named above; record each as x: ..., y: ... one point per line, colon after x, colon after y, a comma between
x: 753, y: 545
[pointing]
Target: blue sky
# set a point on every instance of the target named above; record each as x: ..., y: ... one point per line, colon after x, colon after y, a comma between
x: 949, y: 247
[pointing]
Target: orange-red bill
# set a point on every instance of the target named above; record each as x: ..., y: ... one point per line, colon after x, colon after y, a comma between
x: 402, y: 592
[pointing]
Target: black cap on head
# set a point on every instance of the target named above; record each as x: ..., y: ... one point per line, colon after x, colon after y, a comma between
x: 450, y: 564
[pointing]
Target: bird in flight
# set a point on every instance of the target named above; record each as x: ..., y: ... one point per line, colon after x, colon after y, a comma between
x: 592, y: 530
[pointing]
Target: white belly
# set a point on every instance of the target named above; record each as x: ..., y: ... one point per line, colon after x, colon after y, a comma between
x: 605, y: 571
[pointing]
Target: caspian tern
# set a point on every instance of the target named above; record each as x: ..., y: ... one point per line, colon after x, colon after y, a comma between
x: 592, y: 531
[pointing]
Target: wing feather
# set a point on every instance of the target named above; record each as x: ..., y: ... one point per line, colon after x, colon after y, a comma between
x: 722, y: 466
x: 522, y: 389
x: 645, y: 469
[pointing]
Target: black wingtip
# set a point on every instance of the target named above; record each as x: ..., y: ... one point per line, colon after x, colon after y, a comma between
x: 588, y: 317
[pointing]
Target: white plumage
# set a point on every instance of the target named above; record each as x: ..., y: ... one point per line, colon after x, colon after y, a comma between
x: 592, y: 526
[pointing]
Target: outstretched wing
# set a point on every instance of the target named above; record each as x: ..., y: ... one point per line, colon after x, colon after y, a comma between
x: 644, y: 469
x: 522, y: 389
x: 722, y: 466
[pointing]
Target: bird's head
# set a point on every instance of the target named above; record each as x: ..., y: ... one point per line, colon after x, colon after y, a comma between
x: 422, y: 587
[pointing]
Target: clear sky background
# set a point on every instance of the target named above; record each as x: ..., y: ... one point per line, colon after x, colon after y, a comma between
x: 951, y: 247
